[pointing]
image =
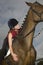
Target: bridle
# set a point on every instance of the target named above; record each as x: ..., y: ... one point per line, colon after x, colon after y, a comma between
x: 33, y: 27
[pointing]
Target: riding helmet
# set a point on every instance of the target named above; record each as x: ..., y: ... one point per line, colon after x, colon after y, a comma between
x: 12, y: 22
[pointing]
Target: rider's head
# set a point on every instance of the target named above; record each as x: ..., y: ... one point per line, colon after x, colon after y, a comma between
x: 13, y: 24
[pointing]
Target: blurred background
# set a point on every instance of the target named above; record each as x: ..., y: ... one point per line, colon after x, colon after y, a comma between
x: 18, y: 9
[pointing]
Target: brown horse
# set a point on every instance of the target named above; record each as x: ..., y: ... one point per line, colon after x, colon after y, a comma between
x: 22, y: 44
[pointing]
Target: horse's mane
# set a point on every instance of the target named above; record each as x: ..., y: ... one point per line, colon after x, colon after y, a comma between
x: 24, y: 23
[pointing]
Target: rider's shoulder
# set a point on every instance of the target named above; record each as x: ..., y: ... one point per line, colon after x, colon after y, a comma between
x: 9, y: 33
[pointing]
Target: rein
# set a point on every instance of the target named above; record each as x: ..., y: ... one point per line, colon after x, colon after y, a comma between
x: 29, y: 32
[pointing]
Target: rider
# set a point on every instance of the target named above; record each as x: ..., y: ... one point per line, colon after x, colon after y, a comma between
x: 14, y: 29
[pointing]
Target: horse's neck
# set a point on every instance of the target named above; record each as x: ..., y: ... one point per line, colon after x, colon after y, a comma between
x: 29, y: 26
x: 29, y: 38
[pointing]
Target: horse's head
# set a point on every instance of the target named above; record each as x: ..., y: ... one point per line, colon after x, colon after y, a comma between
x: 37, y: 10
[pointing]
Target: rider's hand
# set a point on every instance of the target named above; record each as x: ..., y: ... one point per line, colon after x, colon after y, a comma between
x: 15, y: 57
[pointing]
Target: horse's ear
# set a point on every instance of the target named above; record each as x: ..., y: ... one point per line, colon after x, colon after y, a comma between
x: 32, y: 4
x: 29, y: 4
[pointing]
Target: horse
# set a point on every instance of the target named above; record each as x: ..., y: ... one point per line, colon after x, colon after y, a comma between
x: 22, y: 44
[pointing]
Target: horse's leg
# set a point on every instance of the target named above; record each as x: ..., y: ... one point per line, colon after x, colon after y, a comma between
x: 33, y: 55
x: 27, y: 59
x: 30, y: 57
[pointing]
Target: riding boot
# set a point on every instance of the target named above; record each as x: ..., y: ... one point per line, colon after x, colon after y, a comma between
x: 3, y: 52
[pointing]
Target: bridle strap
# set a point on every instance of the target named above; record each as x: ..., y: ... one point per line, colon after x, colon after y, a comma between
x: 39, y: 14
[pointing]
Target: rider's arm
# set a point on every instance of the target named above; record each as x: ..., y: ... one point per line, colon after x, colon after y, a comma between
x: 10, y: 43
x: 15, y: 58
